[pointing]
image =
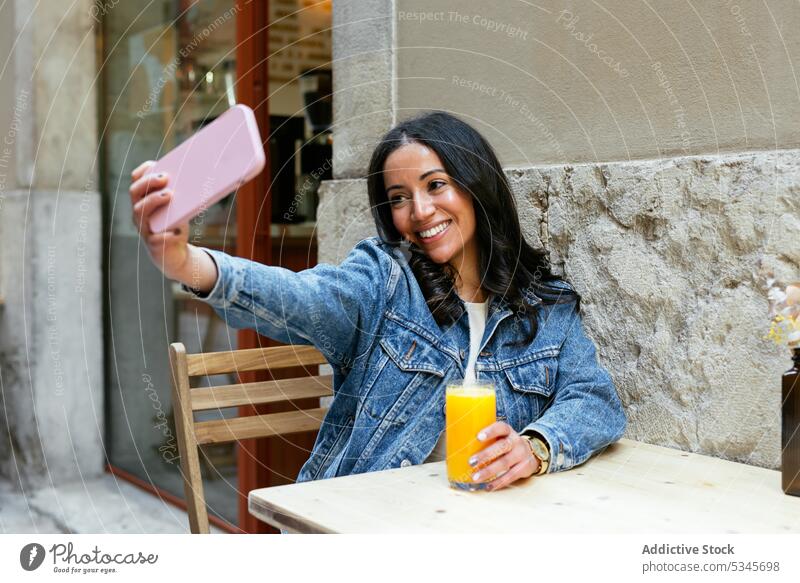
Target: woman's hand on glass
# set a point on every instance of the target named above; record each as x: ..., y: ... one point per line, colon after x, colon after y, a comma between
x: 169, y: 250
x: 505, y: 460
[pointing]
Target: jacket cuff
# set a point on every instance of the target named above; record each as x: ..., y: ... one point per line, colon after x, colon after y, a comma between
x: 556, y: 443
x: 224, y: 292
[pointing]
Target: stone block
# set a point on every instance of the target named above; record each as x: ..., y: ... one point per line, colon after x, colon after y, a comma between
x: 343, y: 219
x: 363, y: 82
x: 51, y: 337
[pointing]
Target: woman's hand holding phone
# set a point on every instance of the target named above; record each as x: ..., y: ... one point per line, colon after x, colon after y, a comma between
x: 170, y: 250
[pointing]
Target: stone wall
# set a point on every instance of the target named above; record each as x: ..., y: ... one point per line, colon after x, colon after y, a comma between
x: 363, y: 81
x: 51, y: 338
x: 667, y: 255
x: 666, y: 248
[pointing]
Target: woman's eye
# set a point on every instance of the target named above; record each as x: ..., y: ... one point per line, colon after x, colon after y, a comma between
x: 434, y: 184
x: 396, y: 200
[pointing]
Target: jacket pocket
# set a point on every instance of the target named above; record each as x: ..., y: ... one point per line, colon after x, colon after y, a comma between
x: 534, y: 372
x: 410, y: 370
x: 412, y: 353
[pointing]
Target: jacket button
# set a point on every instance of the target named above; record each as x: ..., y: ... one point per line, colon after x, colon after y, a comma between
x: 461, y: 353
x: 405, y: 463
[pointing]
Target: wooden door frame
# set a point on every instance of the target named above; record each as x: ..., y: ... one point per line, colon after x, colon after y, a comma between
x: 272, y: 461
x: 252, y: 219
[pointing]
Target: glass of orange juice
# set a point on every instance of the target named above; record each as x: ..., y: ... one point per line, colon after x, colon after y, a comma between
x: 469, y: 408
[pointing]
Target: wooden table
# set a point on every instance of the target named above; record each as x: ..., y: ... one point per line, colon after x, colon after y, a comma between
x: 632, y: 487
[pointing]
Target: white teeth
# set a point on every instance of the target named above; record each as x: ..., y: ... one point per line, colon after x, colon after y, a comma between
x: 434, y: 231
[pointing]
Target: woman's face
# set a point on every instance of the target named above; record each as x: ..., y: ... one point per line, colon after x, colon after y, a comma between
x: 427, y: 206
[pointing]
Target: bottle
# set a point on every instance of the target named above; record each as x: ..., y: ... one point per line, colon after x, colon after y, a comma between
x: 790, y: 434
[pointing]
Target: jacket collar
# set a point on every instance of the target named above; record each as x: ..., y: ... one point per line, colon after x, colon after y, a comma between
x: 499, y: 309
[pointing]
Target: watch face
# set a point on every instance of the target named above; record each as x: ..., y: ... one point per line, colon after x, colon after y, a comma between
x: 540, y: 449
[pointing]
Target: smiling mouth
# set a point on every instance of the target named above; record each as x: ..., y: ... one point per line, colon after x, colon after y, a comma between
x: 435, y: 232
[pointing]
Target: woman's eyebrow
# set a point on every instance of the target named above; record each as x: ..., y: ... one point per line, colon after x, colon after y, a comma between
x: 429, y: 172
x: 422, y: 176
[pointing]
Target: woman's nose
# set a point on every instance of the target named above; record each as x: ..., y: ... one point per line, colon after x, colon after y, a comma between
x: 423, y: 206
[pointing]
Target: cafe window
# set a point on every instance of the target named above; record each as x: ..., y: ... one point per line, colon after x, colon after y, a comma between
x: 170, y: 68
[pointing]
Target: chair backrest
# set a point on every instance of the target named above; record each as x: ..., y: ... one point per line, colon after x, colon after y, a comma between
x: 185, y: 401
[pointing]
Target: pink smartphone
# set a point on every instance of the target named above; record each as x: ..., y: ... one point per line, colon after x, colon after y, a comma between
x: 207, y: 167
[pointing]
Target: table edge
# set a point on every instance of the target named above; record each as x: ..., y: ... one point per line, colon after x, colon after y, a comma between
x: 283, y: 519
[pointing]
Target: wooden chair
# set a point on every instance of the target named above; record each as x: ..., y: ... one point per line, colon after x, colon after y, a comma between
x: 185, y: 401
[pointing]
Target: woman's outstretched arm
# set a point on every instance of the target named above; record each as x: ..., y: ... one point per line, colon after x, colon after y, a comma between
x: 335, y: 308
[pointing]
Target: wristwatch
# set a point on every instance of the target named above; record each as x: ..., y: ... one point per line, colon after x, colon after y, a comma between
x: 540, y: 450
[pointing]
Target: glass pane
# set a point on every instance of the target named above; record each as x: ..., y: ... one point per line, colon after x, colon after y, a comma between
x: 301, y: 112
x: 169, y: 69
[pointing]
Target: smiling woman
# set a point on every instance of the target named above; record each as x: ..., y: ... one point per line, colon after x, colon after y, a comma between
x: 426, y: 304
x: 426, y: 173
x: 429, y: 209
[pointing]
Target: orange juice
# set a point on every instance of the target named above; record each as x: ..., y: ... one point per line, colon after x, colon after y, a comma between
x: 469, y: 408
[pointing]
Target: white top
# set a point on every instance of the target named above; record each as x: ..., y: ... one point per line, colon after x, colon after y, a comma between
x: 477, y: 324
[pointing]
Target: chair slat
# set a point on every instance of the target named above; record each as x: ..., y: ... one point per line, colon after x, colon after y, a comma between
x: 225, y: 430
x: 261, y: 392
x: 273, y: 357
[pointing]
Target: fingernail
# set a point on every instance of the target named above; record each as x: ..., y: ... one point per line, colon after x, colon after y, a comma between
x: 472, y: 461
x: 476, y: 476
x: 482, y: 436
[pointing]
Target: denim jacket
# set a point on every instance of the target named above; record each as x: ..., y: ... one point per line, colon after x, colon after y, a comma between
x: 391, y: 361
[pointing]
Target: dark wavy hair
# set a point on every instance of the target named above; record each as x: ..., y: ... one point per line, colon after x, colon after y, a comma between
x: 510, y: 267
